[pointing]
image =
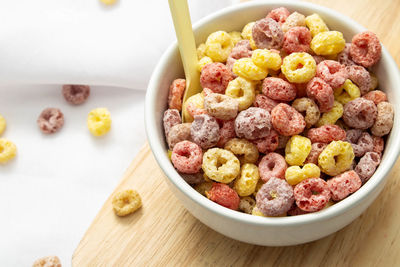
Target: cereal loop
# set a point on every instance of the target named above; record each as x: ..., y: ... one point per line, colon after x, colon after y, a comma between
x: 268, y: 143
x: 365, y: 49
x: 224, y: 196
x: 272, y: 165
x: 202, y: 62
x: 221, y: 106
x: 384, y: 119
x: 297, y: 39
x: 361, y: 142
x: 75, y: 94
x: 348, y: 92
x: 344, y: 184
x: 245, y: 184
x: 331, y: 116
x: 376, y: 96
x: 316, y: 25
x: 248, y: 35
x: 279, y: 14
x: 360, y: 113
x: 361, y: 77
x: 243, y: 149
x: 326, y: 134
x: 378, y: 144
x: 8, y: 150
x: 201, y: 51
x: 332, y: 72
x: 226, y: 132
x: 236, y: 37
x: 278, y: 89
x: 307, y: 106
x: 267, y: 34
x: 99, y: 121
x: 295, y: 174
x: 286, y: 120
x: 297, y: 149
x: 312, y: 194
x: 215, y: 76
x: 242, y: 49
x: 54, y: 261
x: 245, y: 68
x: 175, y: 94
x: 298, y: 67
x: 264, y: 102
x: 367, y: 166
x: 220, y: 165
x: 295, y: 19
x: 328, y: 43
x: 344, y: 57
x: 241, y: 90
x: 218, y: 46
x: 187, y: 157
x: 336, y: 158
x: 178, y: 133
x: 126, y: 202
x: 205, y: 131
x: 322, y: 93
x: 51, y: 120
x: 253, y: 123
x: 196, y: 101
x: 316, y: 149
x: 267, y: 59
x: 171, y: 118
x: 247, y: 204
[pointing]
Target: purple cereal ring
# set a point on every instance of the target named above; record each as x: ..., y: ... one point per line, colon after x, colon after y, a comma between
x: 253, y: 123
x: 321, y: 92
x: 205, y: 131
x: 226, y: 132
x: 312, y: 194
x: 361, y: 143
x: 216, y: 77
x: 286, y: 120
x: 376, y: 96
x: 360, y: 113
x: 278, y: 89
x: 361, y: 77
x: 50, y: 120
x: 267, y: 34
x: 279, y: 14
x: 275, y: 197
x: 297, y: 39
x: 178, y: 133
x: 326, y: 134
x: 379, y: 144
x: 268, y: 143
x: 170, y: 119
x: 316, y: 149
x: 384, y: 119
x: 75, y: 94
x: 187, y: 157
x: 367, y: 165
x: 344, y: 57
x: 365, y: 49
x: 264, y: 102
x: 332, y: 72
x: 344, y: 184
x: 272, y: 165
x: 242, y: 49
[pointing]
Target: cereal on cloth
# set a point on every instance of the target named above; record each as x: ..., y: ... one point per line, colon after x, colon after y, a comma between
x: 246, y: 183
x: 268, y: 143
x: 99, y: 121
x: 193, y: 178
x: 3, y: 124
x: 307, y: 106
x: 196, y: 101
x: 275, y: 197
x: 316, y: 149
x: 360, y: 113
x: 243, y: 149
x: 248, y: 35
x: 243, y: 91
x: 299, y: 67
x: 264, y: 102
x: 236, y: 37
x: 328, y: 43
x: 178, y: 133
x: 344, y: 57
x: 75, y: 94
x: 293, y: 20
x: 187, y: 157
x: 376, y: 96
x: 220, y: 165
x: 365, y: 49
x: 218, y: 46
x: 321, y: 92
x: 279, y: 14
x: 297, y: 149
x: 344, y: 184
x: 171, y: 118
x: 202, y: 62
x: 332, y: 72
x: 332, y: 116
x: 216, y: 77
x: 384, y: 119
x: 126, y: 202
x: 204, y: 131
x: 362, y: 142
x: 267, y: 33
x: 50, y: 120
x: 316, y: 25
x: 349, y: 91
x: 226, y: 132
x: 8, y: 150
x: 312, y: 194
x: 295, y: 174
x: 224, y: 195
x: 272, y: 165
x: 253, y: 123
x: 221, y: 106
x: 267, y: 59
x: 246, y: 68
x: 247, y: 204
x: 361, y: 77
x: 286, y: 120
x: 278, y: 89
x: 48, y: 261
x: 378, y: 144
x: 297, y: 39
x: 336, y: 158
x: 326, y: 134
x: 367, y: 166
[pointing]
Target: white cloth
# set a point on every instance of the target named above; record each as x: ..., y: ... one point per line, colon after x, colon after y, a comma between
x: 51, y: 191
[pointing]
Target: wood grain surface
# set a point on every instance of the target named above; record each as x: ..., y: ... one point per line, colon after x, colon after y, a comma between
x: 164, y: 233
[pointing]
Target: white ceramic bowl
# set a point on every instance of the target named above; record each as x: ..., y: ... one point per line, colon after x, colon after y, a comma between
x: 253, y: 229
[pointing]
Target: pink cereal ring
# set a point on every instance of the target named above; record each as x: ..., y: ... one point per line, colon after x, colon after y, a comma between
x: 229, y: 64
x: 187, y: 157
x: 365, y: 49
x: 279, y: 14
x: 268, y: 143
x: 360, y: 76
x: 272, y: 165
x: 312, y: 194
x: 326, y: 134
x: 264, y: 102
x: 316, y: 149
x: 226, y: 132
x: 216, y: 77
x: 344, y: 184
x: 242, y: 49
x: 321, y: 92
x: 170, y: 119
x: 286, y: 120
x: 367, y: 165
x: 253, y: 123
x: 224, y: 196
x: 332, y: 72
x: 267, y: 34
x: 360, y: 113
x: 297, y: 39
x: 344, y: 57
x: 205, y: 131
x: 275, y: 197
x: 278, y: 89
x: 361, y: 142
x: 376, y: 96
x: 175, y: 95
x: 379, y: 144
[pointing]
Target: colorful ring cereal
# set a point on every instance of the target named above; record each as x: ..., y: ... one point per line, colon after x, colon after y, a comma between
x: 332, y: 72
x: 267, y: 33
x: 331, y: 116
x: 316, y: 25
x: 236, y: 37
x: 222, y: 107
x: 344, y: 184
x: 224, y: 196
x: 295, y: 174
x: 268, y: 143
x: 297, y: 39
x: 247, y: 33
x: 50, y: 120
x: 286, y: 120
x: 275, y: 197
x: 336, y: 158
x: 75, y: 94
x: 243, y: 149
x: 293, y: 20
x: 187, y: 157
x: 316, y: 149
x: 175, y: 94
x: 361, y: 77
x: 267, y: 59
x: 384, y: 119
x: 326, y: 134
x: 205, y: 131
x: 299, y: 67
x: 310, y: 108
x: 272, y: 165
x: 328, y: 43
x: 264, y: 102
x: 204, y: 61
x: 361, y: 142
x: 312, y: 194
x: 360, y: 113
x: 220, y: 165
x: 344, y: 57
x: 322, y: 93
x: 253, y: 123
x: 218, y: 46
x: 246, y: 183
x: 3, y: 124
x: 226, y: 132
x: 242, y: 49
x: 349, y: 91
x: 171, y: 118
x: 178, y: 133
x: 297, y: 149
x: 367, y: 166
x: 216, y: 77
x: 247, y: 204
x: 8, y: 150
x: 246, y: 68
x: 196, y: 101
x: 278, y: 89
x: 379, y: 144
x: 365, y: 49
x: 126, y: 202
x: 243, y: 91
x: 99, y: 121
x: 279, y: 14
x: 376, y: 96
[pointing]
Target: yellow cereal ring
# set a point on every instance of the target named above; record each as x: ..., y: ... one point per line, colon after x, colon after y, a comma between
x: 3, y: 124
x: 201, y: 51
x: 336, y: 158
x: 243, y: 91
x: 295, y: 74
x: 266, y: 59
x: 236, y: 37
x: 295, y: 174
x: 245, y: 68
x: 126, y: 202
x: 243, y: 149
x: 347, y: 92
x: 246, y: 184
x: 247, y: 33
x: 8, y: 150
x: 202, y: 62
x: 197, y: 100
x: 297, y: 149
x: 332, y: 115
x: 316, y: 25
x: 99, y: 121
x: 220, y: 165
x: 218, y: 46
x: 328, y: 43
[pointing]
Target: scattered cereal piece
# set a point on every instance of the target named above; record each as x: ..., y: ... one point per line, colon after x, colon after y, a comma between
x: 8, y: 150
x: 49, y: 261
x: 126, y: 202
x: 75, y: 94
x: 99, y: 121
x: 51, y: 120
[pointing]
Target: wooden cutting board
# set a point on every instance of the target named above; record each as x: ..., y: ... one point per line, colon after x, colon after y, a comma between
x: 164, y: 233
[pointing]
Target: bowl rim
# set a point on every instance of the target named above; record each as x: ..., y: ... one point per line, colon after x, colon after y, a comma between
x: 158, y: 147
